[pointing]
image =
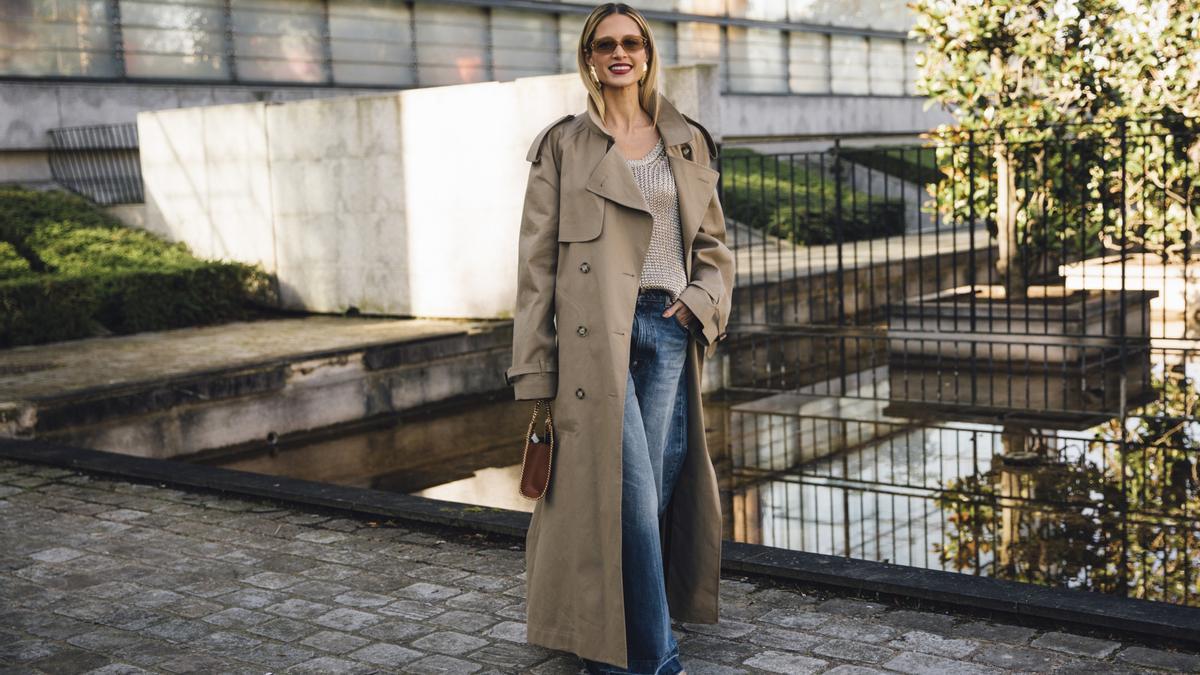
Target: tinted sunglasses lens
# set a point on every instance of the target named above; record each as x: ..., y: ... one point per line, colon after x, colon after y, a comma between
x: 633, y: 44
x: 605, y: 46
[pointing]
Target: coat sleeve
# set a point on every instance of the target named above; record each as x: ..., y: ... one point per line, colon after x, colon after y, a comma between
x: 709, y: 293
x: 534, y: 370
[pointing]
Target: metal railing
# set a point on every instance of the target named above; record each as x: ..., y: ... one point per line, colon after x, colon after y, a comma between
x: 100, y: 162
x: 974, y: 352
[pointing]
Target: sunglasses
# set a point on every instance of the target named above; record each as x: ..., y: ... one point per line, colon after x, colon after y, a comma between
x: 607, y: 45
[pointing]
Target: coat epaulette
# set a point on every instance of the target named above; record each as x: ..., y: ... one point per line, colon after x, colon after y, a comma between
x: 535, y: 149
x: 712, y: 146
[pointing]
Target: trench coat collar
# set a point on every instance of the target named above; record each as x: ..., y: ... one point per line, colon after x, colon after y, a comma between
x: 612, y: 178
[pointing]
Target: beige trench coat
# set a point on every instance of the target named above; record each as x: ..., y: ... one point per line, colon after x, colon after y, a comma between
x: 584, y: 232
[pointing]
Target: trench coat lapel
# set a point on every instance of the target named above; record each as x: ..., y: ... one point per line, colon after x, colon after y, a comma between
x: 613, y: 180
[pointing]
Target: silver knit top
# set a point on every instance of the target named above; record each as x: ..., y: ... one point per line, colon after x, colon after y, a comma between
x: 663, y: 266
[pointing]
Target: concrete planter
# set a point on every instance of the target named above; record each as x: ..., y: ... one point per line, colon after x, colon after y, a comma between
x: 1051, y: 325
x: 1176, y: 283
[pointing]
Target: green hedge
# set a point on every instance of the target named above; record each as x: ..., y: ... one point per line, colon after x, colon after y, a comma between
x: 799, y: 205
x: 69, y: 270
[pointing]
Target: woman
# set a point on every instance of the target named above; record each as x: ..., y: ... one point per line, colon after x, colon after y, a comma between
x: 623, y: 288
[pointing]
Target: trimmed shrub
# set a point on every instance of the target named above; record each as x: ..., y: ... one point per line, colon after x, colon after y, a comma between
x: 70, y: 270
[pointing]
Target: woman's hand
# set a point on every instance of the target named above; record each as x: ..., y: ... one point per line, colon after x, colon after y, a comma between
x: 685, y: 314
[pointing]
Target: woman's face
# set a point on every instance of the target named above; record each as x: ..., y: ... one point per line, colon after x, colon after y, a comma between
x: 620, y: 68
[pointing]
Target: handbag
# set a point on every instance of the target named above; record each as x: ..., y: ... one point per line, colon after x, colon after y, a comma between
x: 535, y: 462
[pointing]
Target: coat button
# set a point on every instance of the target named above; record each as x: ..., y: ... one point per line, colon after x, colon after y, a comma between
x: 687, y: 151
x: 579, y: 393
x: 584, y: 267
x: 582, y: 330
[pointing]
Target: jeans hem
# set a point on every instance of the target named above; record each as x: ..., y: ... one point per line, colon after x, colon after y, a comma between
x: 638, y: 667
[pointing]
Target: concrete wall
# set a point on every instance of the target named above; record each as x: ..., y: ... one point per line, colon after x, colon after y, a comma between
x: 397, y: 203
x: 29, y: 110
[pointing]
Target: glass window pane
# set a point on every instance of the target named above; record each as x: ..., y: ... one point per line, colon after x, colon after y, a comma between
x: 808, y: 66
x: 569, y: 28
x: 702, y: 7
x: 887, y: 67
x: 451, y: 44
x: 849, y: 65
x: 371, y: 41
x: 56, y: 38
x: 523, y: 44
x: 664, y: 39
x: 757, y: 60
x: 178, y: 39
x: 278, y: 40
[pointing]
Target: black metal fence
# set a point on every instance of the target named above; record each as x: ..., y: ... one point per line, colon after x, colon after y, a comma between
x: 975, y: 351
x: 100, y: 162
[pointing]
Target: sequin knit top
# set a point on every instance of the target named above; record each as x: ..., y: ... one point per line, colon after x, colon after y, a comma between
x: 663, y: 266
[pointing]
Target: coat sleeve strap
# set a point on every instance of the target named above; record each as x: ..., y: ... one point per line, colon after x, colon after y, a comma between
x: 712, y: 146
x: 535, y: 148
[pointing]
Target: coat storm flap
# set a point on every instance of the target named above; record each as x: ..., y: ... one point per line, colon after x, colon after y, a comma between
x: 585, y: 230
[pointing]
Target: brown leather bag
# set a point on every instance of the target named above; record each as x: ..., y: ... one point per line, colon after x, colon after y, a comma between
x: 535, y: 463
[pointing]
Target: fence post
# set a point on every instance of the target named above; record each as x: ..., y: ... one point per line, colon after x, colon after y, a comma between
x: 838, y: 237
x: 971, y: 278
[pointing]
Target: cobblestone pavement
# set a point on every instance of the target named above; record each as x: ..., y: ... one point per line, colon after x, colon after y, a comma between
x: 107, y: 576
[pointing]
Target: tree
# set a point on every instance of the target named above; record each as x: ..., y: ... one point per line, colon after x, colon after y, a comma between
x: 1048, y: 99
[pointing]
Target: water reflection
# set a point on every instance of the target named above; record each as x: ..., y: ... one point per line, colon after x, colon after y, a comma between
x: 1066, y: 497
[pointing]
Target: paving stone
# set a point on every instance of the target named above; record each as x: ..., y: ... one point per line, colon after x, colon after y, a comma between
x: 510, y: 656
x: 334, y: 642
x: 298, y: 608
x: 479, y: 601
x: 448, y: 642
x: 784, y: 662
x: 363, y: 599
x: 328, y: 665
x: 722, y: 629
x: 993, y: 632
x: 272, y: 580
x: 847, y: 669
x: 318, y: 590
x: 227, y: 643
x: 237, y: 617
x: 397, y: 631
x: 427, y: 591
x: 929, y: 622
x: 276, y: 656
x: 921, y: 641
x: 850, y: 650
x: 1158, y: 658
x: 716, y: 649
x: 1014, y: 657
x: 412, y: 609
x: 850, y: 607
x: 509, y: 630
x: 440, y: 663
x: 105, y: 640
x: 179, y: 630
x: 470, y: 622
x: 118, y: 669
x: 852, y: 629
x: 781, y: 638
x: 56, y: 555
x: 284, y: 630
x: 27, y: 650
x: 793, y: 618
x: 320, y: 536
x: 251, y: 598
x: 384, y: 654
x: 917, y: 663
x: 1079, y: 645
x: 70, y: 660
x: 346, y: 619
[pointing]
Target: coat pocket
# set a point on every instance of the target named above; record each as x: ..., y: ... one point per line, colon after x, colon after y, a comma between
x: 582, y: 219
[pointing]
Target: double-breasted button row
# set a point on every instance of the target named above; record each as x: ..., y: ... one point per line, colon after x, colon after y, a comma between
x: 582, y: 330
x: 579, y: 393
x: 584, y: 267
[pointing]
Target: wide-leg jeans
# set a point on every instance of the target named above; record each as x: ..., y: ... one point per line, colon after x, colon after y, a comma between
x: 654, y: 443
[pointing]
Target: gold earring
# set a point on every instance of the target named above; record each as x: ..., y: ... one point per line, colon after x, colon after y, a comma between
x: 594, y: 77
x: 645, y: 71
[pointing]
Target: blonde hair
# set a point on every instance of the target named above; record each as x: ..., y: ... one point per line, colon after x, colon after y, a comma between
x: 648, y: 88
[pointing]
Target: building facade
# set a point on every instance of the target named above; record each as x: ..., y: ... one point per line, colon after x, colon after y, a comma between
x: 786, y: 66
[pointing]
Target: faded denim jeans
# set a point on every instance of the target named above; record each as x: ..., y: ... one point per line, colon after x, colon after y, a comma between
x: 653, y: 446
